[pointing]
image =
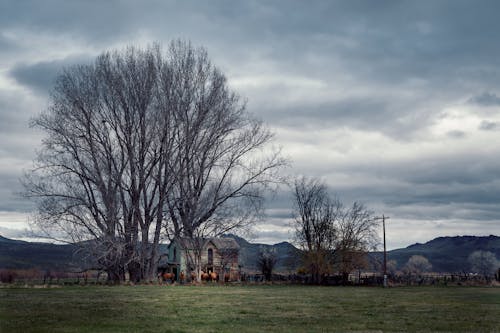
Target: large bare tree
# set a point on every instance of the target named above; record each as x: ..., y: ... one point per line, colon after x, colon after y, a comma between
x: 101, y: 175
x: 140, y: 142
x: 221, y: 165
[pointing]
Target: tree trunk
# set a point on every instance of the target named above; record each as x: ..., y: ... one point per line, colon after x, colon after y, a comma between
x: 345, y: 278
x: 116, y: 275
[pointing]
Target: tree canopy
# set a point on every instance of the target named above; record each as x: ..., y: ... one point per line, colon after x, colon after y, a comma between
x: 143, y: 144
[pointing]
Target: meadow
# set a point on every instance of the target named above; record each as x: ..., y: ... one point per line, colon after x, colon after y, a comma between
x: 260, y: 308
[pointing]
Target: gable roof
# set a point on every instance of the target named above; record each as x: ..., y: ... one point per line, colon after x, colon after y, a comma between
x: 219, y: 243
x: 186, y: 242
x: 225, y: 243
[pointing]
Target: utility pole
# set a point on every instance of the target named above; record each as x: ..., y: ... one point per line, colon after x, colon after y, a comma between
x: 383, y: 218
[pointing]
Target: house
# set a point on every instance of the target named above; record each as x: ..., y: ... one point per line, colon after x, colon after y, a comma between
x: 219, y: 255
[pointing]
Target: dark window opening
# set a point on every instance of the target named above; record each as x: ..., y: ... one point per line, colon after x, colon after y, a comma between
x: 210, y: 257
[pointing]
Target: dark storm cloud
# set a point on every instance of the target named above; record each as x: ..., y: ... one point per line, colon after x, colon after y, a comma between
x: 100, y: 21
x: 460, y: 180
x: 41, y: 76
x: 417, y: 51
x: 452, y: 186
x: 388, y: 42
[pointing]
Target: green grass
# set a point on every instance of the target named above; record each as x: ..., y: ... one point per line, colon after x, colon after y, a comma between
x: 249, y: 309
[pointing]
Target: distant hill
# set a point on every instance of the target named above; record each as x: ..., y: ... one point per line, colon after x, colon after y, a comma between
x: 15, y: 254
x: 447, y: 254
x: 287, y: 254
x: 11, y: 241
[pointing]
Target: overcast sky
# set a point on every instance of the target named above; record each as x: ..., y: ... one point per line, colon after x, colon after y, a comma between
x: 393, y: 103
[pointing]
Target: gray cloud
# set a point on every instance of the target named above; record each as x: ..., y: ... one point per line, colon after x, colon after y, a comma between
x: 7, y: 46
x: 456, y: 134
x: 363, y: 114
x: 41, y: 76
x: 488, y: 125
x: 467, y: 178
x: 485, y: 99
x: 391, y: 71
x: 14, y: 233
x: 101, y: 21
x: 10, y: 113
x: 11, y: 200
x: 269, y: 237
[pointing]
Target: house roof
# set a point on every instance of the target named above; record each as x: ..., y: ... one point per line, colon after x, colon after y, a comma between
x: 225, y: 243
x: 190, y: 243
x: 219, y: 243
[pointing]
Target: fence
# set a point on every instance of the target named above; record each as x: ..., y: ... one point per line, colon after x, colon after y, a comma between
x: 36, y: 276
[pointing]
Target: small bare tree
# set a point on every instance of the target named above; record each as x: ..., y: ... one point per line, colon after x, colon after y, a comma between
x: 392, y: 267
x: 416, y: 265
x: 266, y: 262
x: 329, y: 234
x: 228, y: 257
x: 483, y: 262
x: 315, y: 214
x: 355, y: 236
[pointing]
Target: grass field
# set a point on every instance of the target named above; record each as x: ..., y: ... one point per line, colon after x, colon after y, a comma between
x: 249, y: 309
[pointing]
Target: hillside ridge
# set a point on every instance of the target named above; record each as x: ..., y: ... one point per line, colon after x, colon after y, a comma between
x: 446, y: 253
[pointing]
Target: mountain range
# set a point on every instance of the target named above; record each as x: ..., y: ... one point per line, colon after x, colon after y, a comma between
x: 446, y: 254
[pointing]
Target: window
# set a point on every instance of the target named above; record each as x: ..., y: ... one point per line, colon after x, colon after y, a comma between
x: 175, y: 254
x: 210, y: 257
